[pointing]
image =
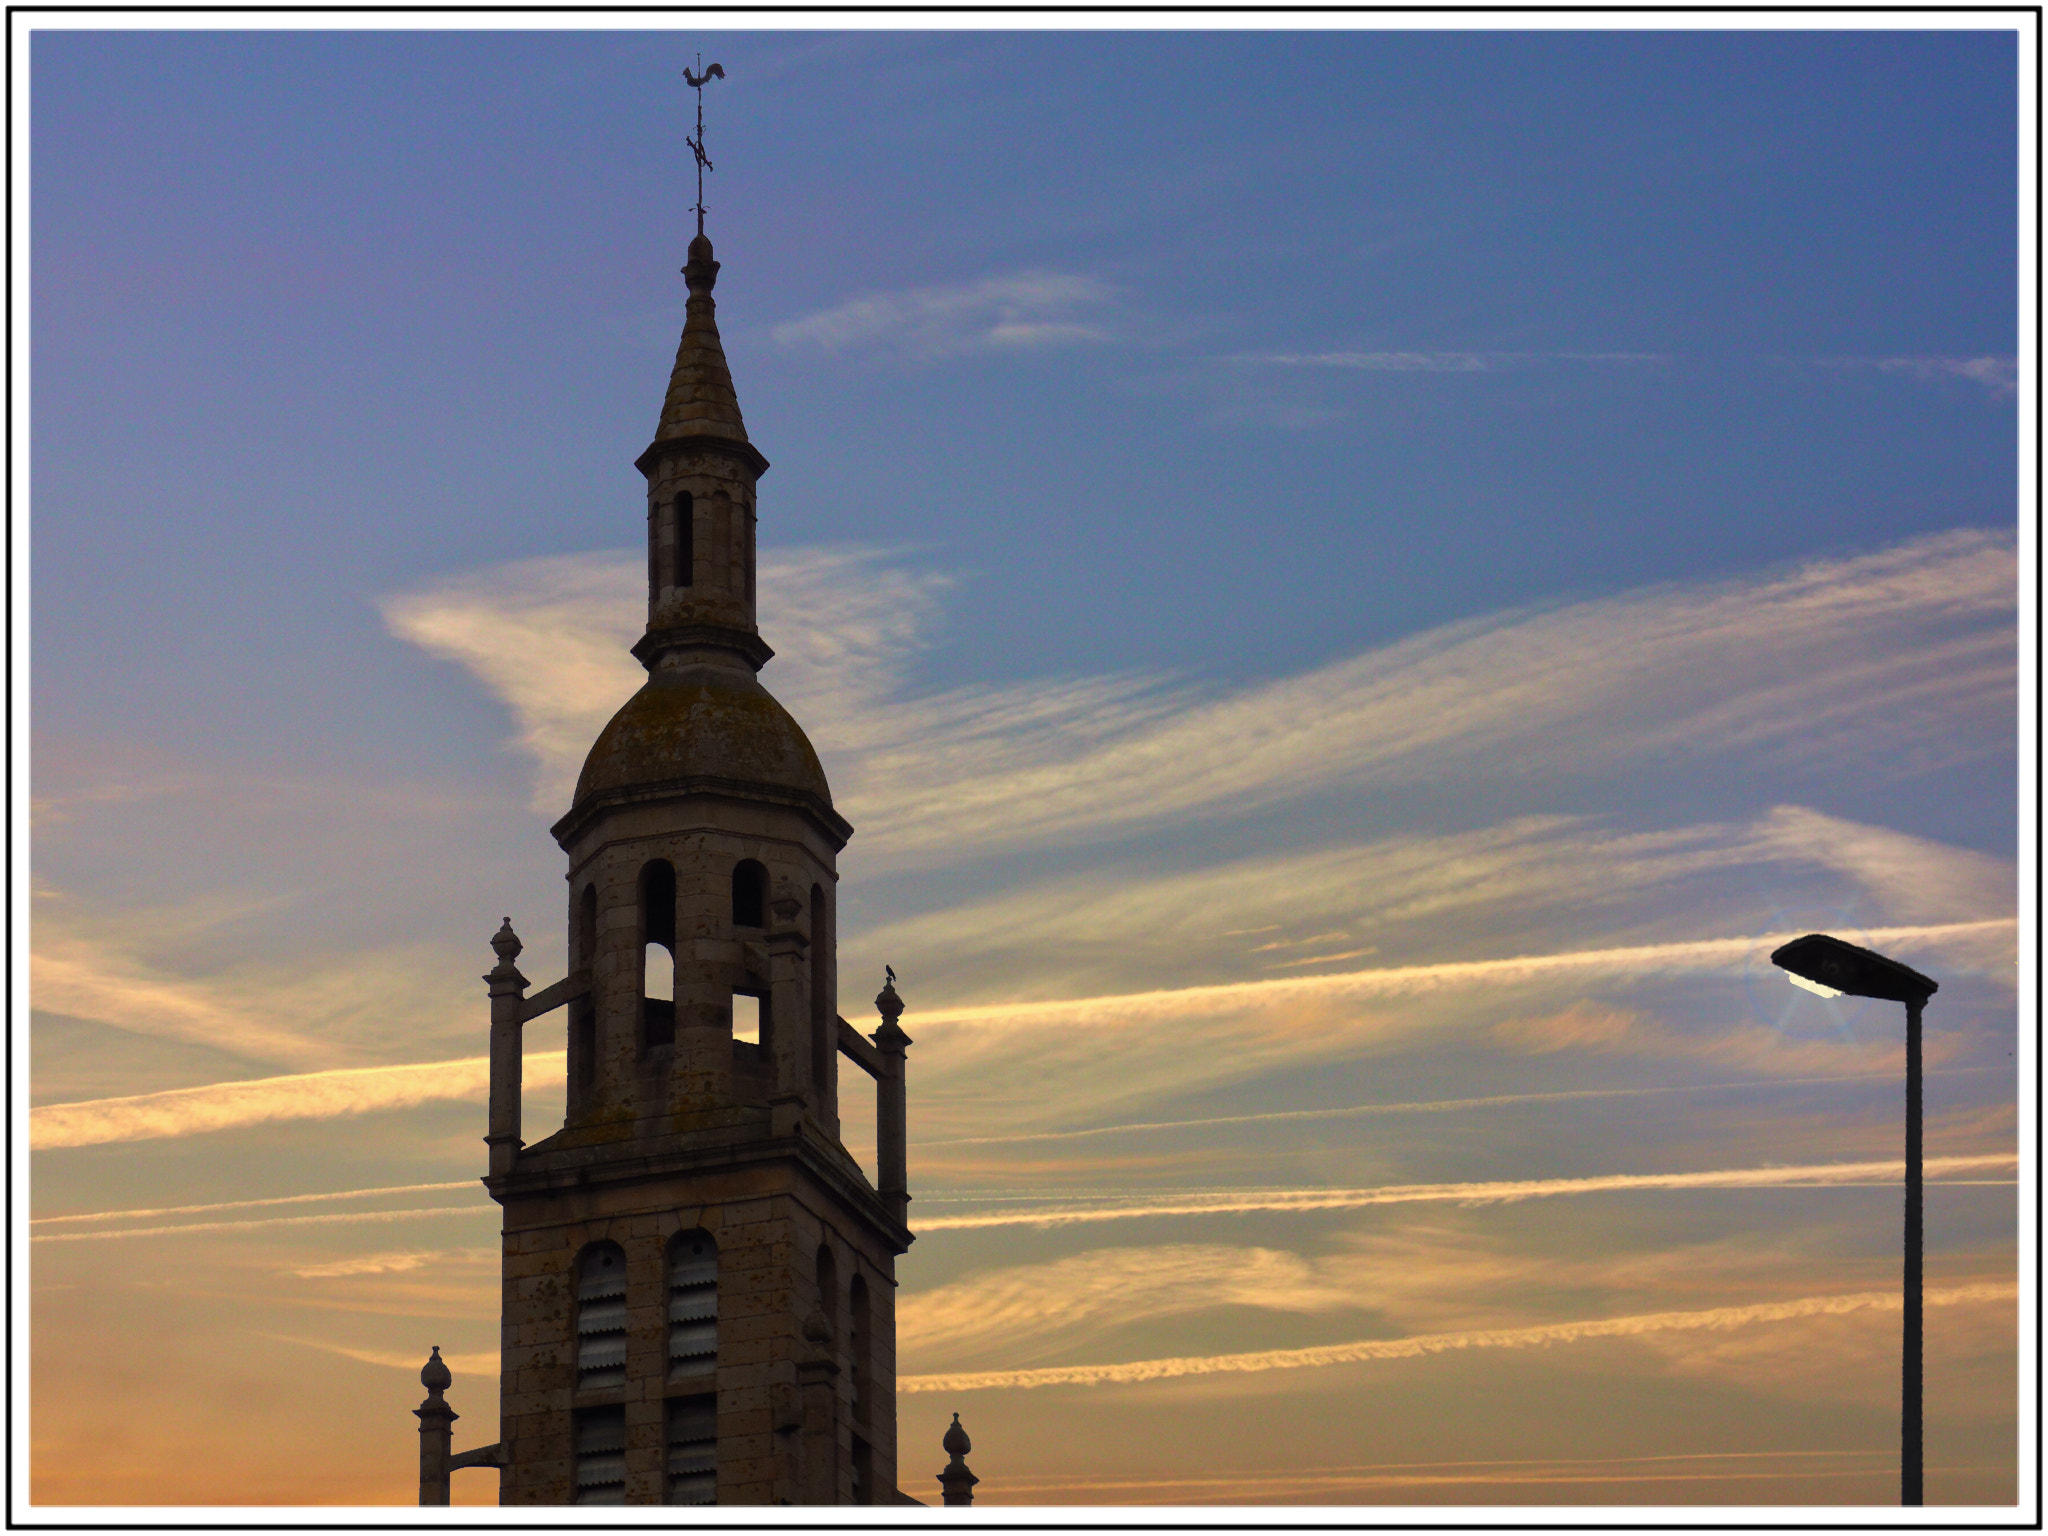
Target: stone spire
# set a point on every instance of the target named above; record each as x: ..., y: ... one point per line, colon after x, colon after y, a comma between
x: 701, y: 401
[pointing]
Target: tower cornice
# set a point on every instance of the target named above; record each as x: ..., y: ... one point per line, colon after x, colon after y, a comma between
x: 699, y: 442
x: 706, y: 786
x: 655, y: 643
x: 571, y: 1171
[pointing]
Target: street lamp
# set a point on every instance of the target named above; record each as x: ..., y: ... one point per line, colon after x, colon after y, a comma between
x: 1824, y: 964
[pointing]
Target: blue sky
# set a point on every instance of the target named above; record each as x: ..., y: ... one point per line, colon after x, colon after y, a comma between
x: 1247, y: 509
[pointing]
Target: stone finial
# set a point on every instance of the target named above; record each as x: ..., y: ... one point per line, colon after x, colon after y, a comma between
x: 434, y: 1375
x: 506, y: 943
x: 890, y: 1036
x: 701, y: 272
x: 956, y: 1483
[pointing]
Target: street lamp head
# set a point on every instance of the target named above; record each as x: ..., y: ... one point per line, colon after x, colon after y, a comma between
x: 1825, y: 964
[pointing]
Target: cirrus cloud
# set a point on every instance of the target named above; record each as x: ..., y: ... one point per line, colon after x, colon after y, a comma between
x: 1019, y: 310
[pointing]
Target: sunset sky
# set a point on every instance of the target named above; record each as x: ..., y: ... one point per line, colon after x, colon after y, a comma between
x: 1353, y: 585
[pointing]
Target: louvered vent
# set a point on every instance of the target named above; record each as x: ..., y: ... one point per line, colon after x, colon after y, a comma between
x: 600, y: 1455
x: 693, y: 1449
x: 601, y: 1318
x: 692, y: 1306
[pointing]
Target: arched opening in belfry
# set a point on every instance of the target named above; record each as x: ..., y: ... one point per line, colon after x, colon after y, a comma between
x: 582, y: 1030
x: 600, y: 1445
x: 692, y: 1305
x: 724, y: 529
x: 683, y: 545
x: 601, y: 1317
x: 658, y: 953
x: 692, y: 1432
x: 747, y: 517
x: 824, y: 1016
x: 749, y: 894
x: 586, y: 930
x: 653, y: 556
x: 749, y: 1018
x: 599, y: 1431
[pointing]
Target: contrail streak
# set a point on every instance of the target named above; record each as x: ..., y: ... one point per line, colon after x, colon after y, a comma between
x: 461, y: 1365
x: 243, y: 1205
x: 298, y: 1096
x: 1438, y: 1343
x: 1427, y: 1106
x: 1233, y: 1202
x: 1363, y: 1468
x: 1139, y: 1007
x: 262, y: 1221
x: 363, y: 1090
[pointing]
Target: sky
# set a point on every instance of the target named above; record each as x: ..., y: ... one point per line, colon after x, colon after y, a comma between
x: 1353, y: 585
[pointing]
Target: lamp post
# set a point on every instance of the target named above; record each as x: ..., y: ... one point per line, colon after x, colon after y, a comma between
x: 1824, y: 964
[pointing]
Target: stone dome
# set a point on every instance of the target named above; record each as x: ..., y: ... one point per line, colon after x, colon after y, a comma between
x: 704, y: 722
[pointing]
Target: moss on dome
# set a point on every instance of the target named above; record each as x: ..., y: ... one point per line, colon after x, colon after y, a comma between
x: 708, y: 721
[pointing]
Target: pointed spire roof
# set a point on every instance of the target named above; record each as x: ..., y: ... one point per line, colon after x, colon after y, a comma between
x: 701, y: 401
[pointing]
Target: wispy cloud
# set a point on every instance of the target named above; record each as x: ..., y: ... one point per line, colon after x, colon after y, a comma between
x: 149, y: 1212
x: 550, y: 638
x: 139, y: 975
x: 1526, y: 881
x: 1997, y: 374
x: 1906, y: 656
x: 393, y: 1263
x: 213, y: 1228
x: 481, y: 1366
x: 1638, y: 960
x: 364, y: 1090
x: 1590, y: 1473
x: 1361, y: 1350
x: 1410, y: 1107
x: 1090, y: 1292
x: 1017, y: 311
x: 300, y: 1096
x: 1443, y: 362
x: 72, y: 975
x: 1240, y: 1202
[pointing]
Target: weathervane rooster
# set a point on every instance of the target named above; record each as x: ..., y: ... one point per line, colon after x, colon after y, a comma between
x: 696, y: 83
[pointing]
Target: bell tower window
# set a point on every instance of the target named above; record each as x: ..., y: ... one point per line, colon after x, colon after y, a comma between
x: 749, y: 1010
x: 749, y: 894
x: 693, y: 1449
x: 601, y: 1317
x: 658, y: 954
x: 823, y: 1014
x: 601, y: 1455
x: 683, y: 543
x: 692, y: 1306
x: 693, y: 1360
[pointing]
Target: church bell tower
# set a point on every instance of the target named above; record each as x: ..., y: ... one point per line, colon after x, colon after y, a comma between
x: 699, y: 1290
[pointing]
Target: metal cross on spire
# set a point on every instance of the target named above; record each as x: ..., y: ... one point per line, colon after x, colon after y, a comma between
x: 696, y: 83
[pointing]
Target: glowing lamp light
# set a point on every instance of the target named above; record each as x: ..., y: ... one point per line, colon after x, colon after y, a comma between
x: 1821, y: 988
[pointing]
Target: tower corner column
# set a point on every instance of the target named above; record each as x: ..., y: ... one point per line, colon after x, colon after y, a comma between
x: 437, y: 1427
x: 892, y: 1171
x: 508, y: 1007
